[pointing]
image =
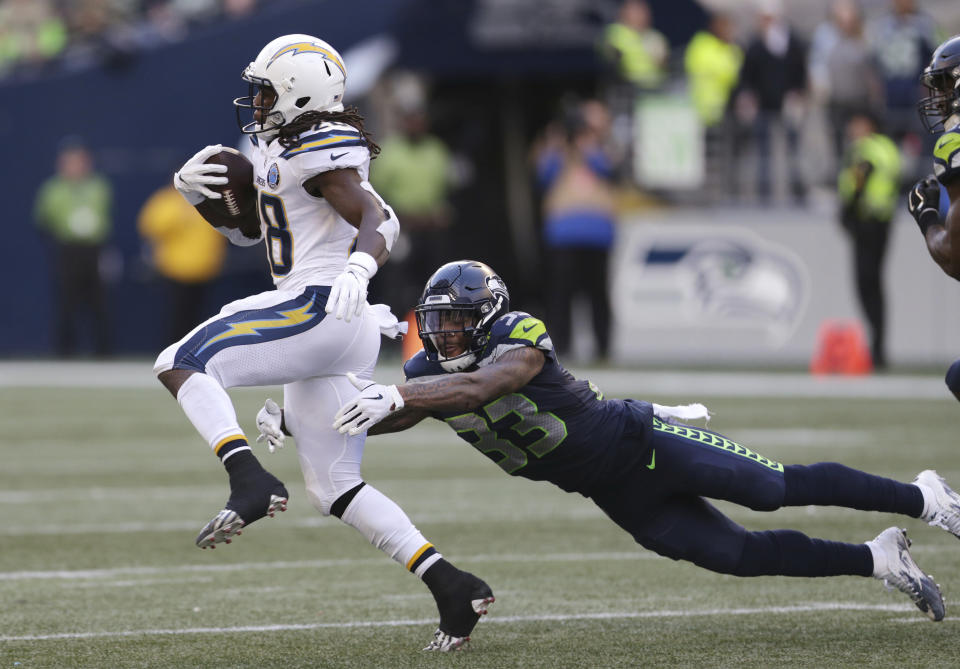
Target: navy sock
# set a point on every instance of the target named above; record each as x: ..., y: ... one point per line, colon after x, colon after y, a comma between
x: 833, y: 484
x: 791, y: 553
x: 241, y: 466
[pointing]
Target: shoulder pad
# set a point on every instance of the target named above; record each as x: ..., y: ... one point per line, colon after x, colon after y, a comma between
x: 326, y: 136
x: 418, y: 366
x: 946, y: 157
x: 520, y: 328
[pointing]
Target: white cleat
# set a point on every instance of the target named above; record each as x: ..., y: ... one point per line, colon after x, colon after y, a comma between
x: 941, y: 503
x: 893, y: 564
x: 221, y: 529
x: 228, y: 524
x: 446, y: 643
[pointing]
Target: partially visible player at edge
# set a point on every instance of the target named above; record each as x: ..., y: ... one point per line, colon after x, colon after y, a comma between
x: 327, y: 231
x: 940, y: 113
x: 493, y: 376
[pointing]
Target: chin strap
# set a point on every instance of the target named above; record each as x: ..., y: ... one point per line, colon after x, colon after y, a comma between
x: 459, y: 363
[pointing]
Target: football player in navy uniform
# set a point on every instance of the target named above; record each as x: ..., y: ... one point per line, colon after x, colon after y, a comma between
x: 325, y: 231
x: 493, y: 376
x: 940, y: 113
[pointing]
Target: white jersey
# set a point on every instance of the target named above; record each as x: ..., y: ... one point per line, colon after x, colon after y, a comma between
x: 307, y: 240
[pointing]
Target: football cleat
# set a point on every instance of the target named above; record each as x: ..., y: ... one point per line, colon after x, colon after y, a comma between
x: 942, y: 506
x: 446, y: 643
x: 267, y: 497
x: 894, y: 565
x: 460, y: 606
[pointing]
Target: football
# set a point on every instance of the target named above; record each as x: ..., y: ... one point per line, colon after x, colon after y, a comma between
x: 237, y: 207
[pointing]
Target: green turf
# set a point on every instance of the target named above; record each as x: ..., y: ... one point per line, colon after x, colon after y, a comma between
x: 102, y: 492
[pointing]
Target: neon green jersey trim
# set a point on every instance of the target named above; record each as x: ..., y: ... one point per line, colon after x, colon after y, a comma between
x: 715, y: 440
x: 530, y: 329
x: 946, y: 146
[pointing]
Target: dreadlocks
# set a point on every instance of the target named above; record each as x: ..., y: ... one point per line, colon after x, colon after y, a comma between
x: 289, y: 135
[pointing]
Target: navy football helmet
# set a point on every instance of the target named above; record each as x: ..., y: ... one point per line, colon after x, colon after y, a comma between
x: 941, y: 109
x: 464, y: 297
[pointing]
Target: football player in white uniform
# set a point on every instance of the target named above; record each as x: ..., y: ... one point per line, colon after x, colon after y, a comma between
x: 326, y: 232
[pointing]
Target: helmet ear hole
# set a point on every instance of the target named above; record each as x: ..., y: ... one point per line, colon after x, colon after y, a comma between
x: 301, y: 102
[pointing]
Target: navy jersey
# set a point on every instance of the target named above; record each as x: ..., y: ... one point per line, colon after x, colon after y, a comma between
x: 556, y: 428
x: 946, y: 157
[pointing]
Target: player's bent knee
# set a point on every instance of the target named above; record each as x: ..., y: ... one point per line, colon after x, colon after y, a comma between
x: 323, y: 500
x: 164, y: 361
x: 953, y: 377
x: 767, y: 495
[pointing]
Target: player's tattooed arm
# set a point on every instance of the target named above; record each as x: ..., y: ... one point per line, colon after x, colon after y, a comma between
x: 943, y: 241
x: 468, y: 390
x: 399, y: 420
x: 344, y: 191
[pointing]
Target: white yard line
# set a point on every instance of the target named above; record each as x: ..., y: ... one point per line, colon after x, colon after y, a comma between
x: 636, y: 383
x: 82, y: 574
x: 613, y: 615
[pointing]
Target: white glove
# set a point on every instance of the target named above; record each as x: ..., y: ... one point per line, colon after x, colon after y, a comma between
x: 237, y: 238
x: 269, y: 421
x: 193, y: 178
x: 349, y: 291
x: 374, y: 403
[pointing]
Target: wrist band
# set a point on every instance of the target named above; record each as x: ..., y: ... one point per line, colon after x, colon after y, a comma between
x: 928, y: 218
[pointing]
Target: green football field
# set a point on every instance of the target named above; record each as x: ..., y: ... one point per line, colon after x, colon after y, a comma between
x: 103, y: 488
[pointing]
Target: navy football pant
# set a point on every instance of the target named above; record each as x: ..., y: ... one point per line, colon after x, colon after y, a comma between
x: 661, y: 504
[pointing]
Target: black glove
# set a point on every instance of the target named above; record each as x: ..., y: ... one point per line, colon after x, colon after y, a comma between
x: 924, y: 203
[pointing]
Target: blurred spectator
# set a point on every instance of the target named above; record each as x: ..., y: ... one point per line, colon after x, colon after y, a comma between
x: 868, y: 187
x: 634, y: 49
x: 773, y: 82
x: 902, y: 41
x: 31, y: 32
x: 236, y: 9
x: 843, y: 72
x: 413, y: 173
x: 712, y: 62
x: 186, y: 251
x: 99, y: 34
x: 575, y: 171
x: 74, y: 208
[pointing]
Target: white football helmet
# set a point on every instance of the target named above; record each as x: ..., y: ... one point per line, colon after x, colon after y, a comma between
x: 306, y: 73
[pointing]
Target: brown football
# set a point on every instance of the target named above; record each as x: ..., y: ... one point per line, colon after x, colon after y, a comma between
x: 237, y: 207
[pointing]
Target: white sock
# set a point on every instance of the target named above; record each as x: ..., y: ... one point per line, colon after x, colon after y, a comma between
x: 879, y: 560
x: 387, y: 527
x: 209, y: 408
x: 928, y: 501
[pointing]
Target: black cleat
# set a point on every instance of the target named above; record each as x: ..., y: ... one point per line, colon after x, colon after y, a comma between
x: 461, y: 604
x: 263, y: 496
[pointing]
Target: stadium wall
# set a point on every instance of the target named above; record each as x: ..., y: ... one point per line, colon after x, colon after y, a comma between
x: 754, y: 287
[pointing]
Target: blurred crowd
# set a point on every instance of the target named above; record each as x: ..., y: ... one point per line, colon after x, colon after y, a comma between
x: 774, y: 114
x: 40, y: 36
x: 758, y: 81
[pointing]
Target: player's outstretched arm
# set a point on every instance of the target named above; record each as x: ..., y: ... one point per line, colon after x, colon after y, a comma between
x: 469, y: 390
x: 413, y: 401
